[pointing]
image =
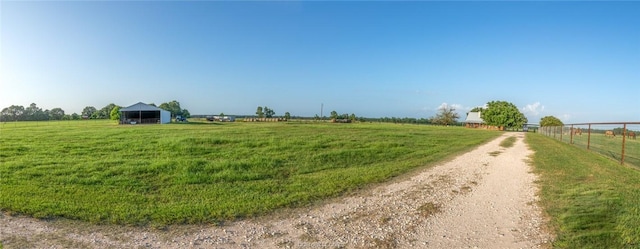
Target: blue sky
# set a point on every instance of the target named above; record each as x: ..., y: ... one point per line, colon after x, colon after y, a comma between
x: 578, y: 61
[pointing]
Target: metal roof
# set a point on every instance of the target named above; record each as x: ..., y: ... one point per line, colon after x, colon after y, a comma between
x: 474, y: 117
x: 141, y: 107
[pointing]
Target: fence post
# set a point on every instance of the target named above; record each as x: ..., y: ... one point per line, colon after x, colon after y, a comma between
x: 589, y: 138
x: 561, y: 131
x: 571, y: 136
x: 624, y: 131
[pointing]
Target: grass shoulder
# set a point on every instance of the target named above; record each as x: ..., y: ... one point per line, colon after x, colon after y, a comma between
x: 592, y: 201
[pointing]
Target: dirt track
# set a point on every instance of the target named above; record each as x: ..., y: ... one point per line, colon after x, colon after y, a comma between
x: 485, y: 198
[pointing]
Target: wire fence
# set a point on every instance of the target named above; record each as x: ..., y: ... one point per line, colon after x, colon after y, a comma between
x: 615, y: 140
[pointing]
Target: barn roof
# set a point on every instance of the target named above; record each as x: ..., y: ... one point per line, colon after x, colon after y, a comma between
x: 140, y: 107
x: 474, y: 117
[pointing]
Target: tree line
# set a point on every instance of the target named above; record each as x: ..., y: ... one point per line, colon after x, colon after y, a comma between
x: 496, y: 113
x: 110, y: 111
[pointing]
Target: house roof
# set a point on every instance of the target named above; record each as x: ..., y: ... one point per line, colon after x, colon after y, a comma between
x: 140, y: 107
x: 474, y: 117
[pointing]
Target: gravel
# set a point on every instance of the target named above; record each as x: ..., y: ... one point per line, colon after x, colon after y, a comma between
x: 485, y: 198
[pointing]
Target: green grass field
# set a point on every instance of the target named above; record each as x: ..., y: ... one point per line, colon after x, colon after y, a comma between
x: 204, y: 173
x: 593, y: 201
x: 608, y: 146
x: 612, y: 147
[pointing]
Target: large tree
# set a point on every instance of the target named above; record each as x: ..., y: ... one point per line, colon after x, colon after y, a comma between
x: 447, y: 115
x: 105, y: 112
x: 14, y: 113
x: 268, y: 112
x: 186, y: 113
x: 88, y: 111
x: 260, y: 112
x: 56, y: 113
x: 287, y: 115
x: 33, y: 112
x: 352, y: 117
x: 174, y: 108
x: 334, y: 114
x: 550, y: 121
x: 505, y: 114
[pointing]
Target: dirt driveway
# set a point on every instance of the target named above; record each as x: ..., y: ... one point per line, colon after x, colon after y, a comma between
x: 485, y: 198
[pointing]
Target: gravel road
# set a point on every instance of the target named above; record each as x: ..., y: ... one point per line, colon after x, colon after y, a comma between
x: 485, y: 198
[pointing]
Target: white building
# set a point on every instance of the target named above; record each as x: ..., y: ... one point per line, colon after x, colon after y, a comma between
x: 142, y: 113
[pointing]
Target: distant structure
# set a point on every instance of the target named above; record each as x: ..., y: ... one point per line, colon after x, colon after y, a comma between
x: 222, y: 118
x: 474, y: 120
x: 141, y: 113
x: 264, y: 119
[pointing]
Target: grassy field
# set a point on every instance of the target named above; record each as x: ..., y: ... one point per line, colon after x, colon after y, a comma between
x: 608, y: 146
x: 204, y: 173
x: 593, y: 201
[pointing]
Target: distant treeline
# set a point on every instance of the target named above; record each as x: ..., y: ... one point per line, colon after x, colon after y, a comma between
x: 35, y: 113
x: 396, y: 120
x: 110, y: 111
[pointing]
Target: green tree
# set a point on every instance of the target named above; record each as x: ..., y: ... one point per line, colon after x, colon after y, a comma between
x: 13, y: 112
x: 477, y: 109
x: 550, y: 121
x: 56, y: 114
x: 33, y: 113
x: 352, y: 117
x: 174, y: 108
x: 334, y: 114
x: 186, y: 113
x: 502, y: 113
x: 105, y: 112
x: 115, y: 113
x: 75, y: 116
x: 88, y: 111
x: 269, y: 113
x: 287, y: 115
x: 447, y: 115
x: 259, y: 112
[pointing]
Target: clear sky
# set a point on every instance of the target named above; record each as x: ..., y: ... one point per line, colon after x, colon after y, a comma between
x: 578, y: 61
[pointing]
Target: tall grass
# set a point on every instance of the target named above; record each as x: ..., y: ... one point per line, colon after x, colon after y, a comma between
x: 198, y: 172
x: 593, y: 201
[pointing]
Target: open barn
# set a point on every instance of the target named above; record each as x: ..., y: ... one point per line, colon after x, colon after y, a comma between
x: 141, y: 113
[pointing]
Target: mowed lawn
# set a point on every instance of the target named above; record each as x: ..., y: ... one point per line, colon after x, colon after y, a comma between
x: 202, y: 172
